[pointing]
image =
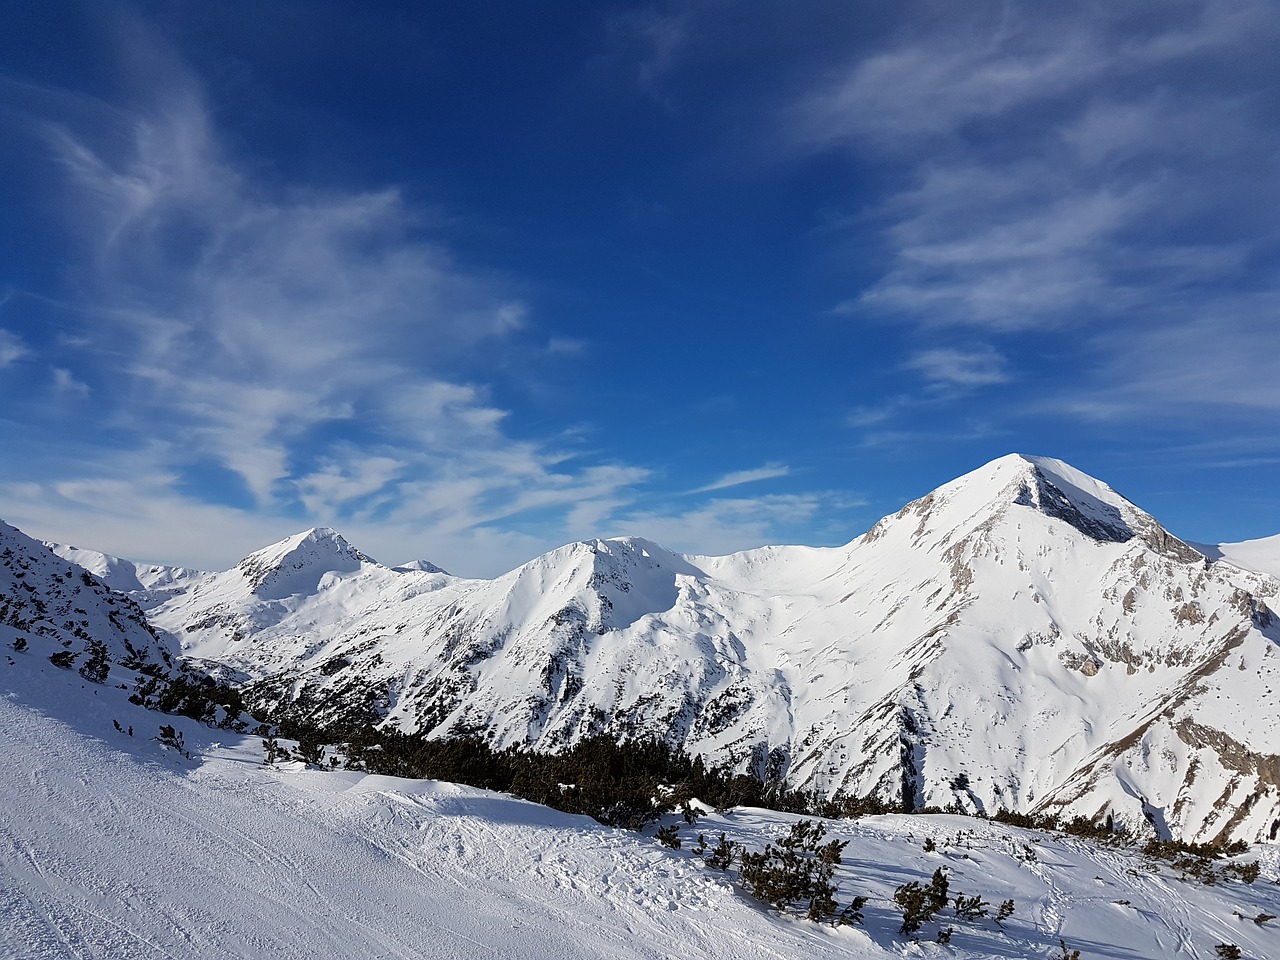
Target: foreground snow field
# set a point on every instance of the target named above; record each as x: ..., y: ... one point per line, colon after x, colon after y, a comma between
x: 112, y: 846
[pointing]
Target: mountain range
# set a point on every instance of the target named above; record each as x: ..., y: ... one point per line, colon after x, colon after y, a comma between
x: 1021, y: 638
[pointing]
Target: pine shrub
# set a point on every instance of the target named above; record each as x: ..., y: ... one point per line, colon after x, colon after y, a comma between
x: 970, y: 908
x: 311, y: 752
x: 172, y: 739
x: 669, y: 836
x: 97, y: 666
x: 919, y: 902
x: 797, y: 869
x: 722, y: 854
x: 273, y: 751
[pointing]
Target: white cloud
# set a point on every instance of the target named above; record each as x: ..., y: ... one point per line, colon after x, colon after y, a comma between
x: 1054, y: 162
x: 767, y: 472
x: 728, y: 525
x: 929, y: 86
x: 960, y: 368
x: 345, y: 476
x: 308, y: 340
x: 653, y: 42
x: 1097, y: 174
x: 11, y: 348
x: 67, y: 385
x: 1215, y: 368
x: 869, y: 416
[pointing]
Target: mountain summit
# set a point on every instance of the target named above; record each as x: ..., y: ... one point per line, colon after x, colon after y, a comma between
x: 297, y: 564
x: 1053, y: 489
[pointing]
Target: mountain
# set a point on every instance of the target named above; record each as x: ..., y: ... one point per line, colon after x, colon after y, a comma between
x: 1023, y: 637
x: 47, y: 598
x: 146, y: 583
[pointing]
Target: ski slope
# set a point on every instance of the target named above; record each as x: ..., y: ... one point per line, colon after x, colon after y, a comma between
x: 113, y: 846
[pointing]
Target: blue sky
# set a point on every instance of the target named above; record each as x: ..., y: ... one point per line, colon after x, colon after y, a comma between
x: 470, y: 280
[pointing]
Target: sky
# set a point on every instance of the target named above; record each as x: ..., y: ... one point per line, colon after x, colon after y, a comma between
x: 467, y: 281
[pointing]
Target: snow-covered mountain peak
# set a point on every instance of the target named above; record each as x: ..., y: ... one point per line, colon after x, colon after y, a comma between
x: 296, y: 564
x: 610, y: 583
x: 1007, y: 487
x: 420, y: 566
x: 139, y: 580
x: 1023, y: 638
x: 1050, y: 486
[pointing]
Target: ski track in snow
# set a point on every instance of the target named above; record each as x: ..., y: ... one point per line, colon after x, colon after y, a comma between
x: 117, y: 848
x: 113, y: 847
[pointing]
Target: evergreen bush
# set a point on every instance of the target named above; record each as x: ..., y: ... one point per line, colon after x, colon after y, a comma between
x: 63, y: 658
x: 797, y: 869
x: 919, y: 902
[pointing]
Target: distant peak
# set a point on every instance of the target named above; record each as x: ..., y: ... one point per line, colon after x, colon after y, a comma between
x: 420, y: 566
x: 1049, y: 486
x: 318, y: 534
x: 295, y: 564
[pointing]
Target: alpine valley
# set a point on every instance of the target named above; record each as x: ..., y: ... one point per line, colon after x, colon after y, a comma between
x: 1023, y: 638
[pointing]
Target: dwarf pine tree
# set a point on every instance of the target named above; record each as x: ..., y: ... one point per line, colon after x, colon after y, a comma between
x: 722, y: 854
x: 919, y: 902
x: 970, y: 908
x: 798, y: 869
x: 63, y: 658
x: 311, y: 752
x: 95, y: 668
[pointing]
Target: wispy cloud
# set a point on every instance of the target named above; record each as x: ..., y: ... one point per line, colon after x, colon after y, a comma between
x: 11, y: 348
x: 658, y: 37
x: 67, y: 385
x: 952, y: 367
x: 1093, y: 169
x: 739, y: 477
x: 308, y: 342
x: 727, y: 525
x: 870, y: 416
x: 1207, y: 367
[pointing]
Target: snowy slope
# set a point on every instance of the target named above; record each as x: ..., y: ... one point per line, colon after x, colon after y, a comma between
x: 1023, y: 637
x: 44, y: 595
x: 117, y: 848
x: 1262, y: 556
x: 126, y: 576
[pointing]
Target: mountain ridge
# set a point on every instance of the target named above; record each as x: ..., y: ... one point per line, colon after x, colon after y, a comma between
x: 1023, y: 637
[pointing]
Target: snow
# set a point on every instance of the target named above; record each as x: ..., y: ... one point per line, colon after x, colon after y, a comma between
x: 1261, y: 556
x: 113, y: 846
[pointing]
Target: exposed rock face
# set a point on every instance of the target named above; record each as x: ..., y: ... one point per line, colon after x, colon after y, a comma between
x: 44, y: 595
x: 1022, y: 637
